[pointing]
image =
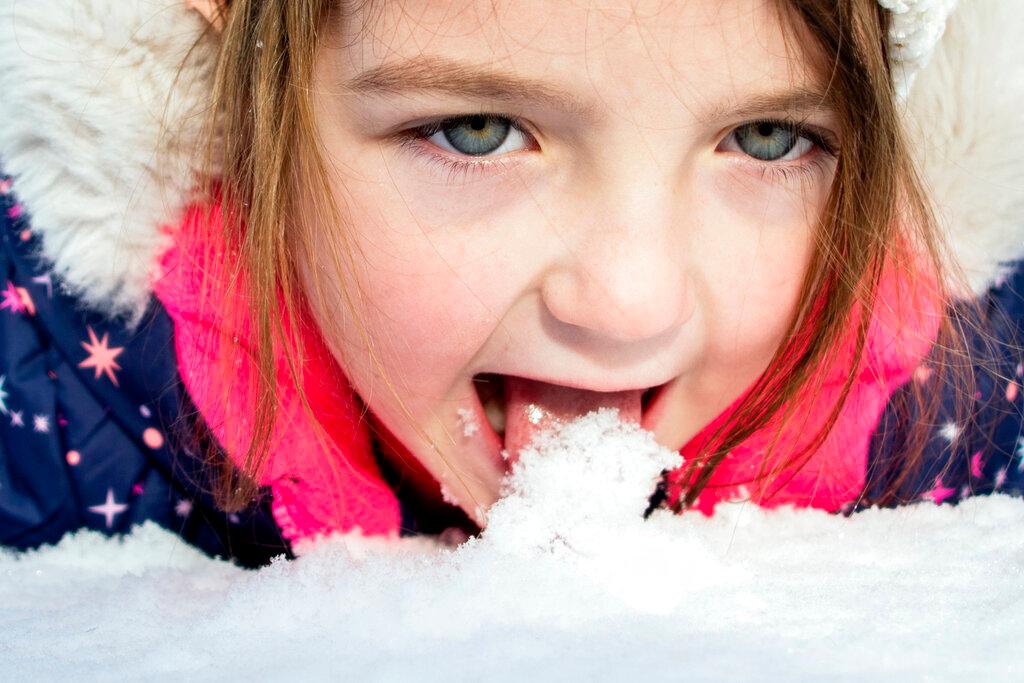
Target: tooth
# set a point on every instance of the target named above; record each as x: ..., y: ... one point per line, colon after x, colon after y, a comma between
x: 495, y: 415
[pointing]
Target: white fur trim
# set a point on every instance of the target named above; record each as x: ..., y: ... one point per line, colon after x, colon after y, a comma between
x: 916, y: 27
x: 965, y: 120
x: 87, y: 89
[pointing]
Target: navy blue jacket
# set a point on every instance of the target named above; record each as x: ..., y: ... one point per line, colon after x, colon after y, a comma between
x: 78, y: 450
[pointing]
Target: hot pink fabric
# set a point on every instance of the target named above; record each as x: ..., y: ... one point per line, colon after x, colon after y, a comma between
x: 902, y: 330
x: 334, y: 484
x: 319, y: 485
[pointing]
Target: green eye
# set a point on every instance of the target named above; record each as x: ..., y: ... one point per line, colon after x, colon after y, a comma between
x: 476, y: 135
x: 767, y: 140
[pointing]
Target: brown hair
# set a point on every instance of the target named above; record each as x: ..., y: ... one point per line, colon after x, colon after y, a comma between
x: 876, y: 217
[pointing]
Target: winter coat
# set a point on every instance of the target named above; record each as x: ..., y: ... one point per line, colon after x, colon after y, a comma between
x: 103, y: 413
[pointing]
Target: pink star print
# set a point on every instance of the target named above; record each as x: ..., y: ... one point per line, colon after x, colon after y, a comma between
x: 101, y: 356
x: 976, y: 465
x: 183, y: 508
x: 940, y: 492
x: 1000, y: 479
x: 26, y: 300
x: 12, y: 299
x: 41, y: 424
x: 109, y: 509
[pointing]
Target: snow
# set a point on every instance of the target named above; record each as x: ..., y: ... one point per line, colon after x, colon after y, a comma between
x: 568, y: 582
x: 467, y: 418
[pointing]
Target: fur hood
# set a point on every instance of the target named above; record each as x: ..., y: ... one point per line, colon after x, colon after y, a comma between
x: 102, y: 110
x: 103, y: 103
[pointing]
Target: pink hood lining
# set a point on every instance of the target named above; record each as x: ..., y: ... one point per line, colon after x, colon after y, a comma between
x: 320, y: 483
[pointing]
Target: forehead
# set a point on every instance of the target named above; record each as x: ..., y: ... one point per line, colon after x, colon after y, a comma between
x: 615, y: 53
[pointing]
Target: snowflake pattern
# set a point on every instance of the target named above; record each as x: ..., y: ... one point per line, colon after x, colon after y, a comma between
x: 41, y: 424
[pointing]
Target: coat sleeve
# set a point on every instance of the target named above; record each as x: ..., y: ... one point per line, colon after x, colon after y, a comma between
x: 975, y: 444
x: 37, y: 497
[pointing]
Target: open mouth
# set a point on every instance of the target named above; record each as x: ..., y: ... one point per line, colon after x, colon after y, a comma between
x: 490, y: 388
x: 493, y: 391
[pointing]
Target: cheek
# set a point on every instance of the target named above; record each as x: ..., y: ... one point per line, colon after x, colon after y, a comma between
x: 760, y: 255
x: 420, y: 299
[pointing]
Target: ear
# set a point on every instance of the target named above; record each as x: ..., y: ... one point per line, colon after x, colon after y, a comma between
x: 214, y: 11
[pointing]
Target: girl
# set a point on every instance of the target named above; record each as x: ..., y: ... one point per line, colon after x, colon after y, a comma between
x: 279, y: 269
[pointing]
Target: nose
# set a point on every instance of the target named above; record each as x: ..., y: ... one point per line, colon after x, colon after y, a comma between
x: 623, y: 274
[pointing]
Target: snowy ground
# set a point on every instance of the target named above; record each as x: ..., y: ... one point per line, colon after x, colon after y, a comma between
x: 568, y: 584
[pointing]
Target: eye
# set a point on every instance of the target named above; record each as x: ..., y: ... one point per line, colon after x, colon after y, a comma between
x: 477, y: 135
x: 771, y: 141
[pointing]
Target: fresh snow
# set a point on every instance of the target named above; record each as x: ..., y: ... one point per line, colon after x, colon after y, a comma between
x: 467, y: 418
x: 568, y: 583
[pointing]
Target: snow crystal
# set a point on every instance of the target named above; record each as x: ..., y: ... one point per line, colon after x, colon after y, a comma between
x: 446, y: 495
x: 467, y: 419
x: 568, y: 582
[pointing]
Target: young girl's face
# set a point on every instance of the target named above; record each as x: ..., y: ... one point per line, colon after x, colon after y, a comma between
x: 585, y: 194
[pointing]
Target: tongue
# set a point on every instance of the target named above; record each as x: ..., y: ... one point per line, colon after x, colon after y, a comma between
x: 531, y: 406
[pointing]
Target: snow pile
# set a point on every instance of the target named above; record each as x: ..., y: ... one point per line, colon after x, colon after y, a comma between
x: 568, y: 582
x: 575, y: 489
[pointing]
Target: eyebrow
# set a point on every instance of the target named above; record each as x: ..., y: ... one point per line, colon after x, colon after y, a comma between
x: 442, y: 75
x: 449, y: 77
x: 798, y: 100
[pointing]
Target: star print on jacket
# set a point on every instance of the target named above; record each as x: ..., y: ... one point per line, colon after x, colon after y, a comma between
x: 109, y: 509
x: 11, y: 299
x: 101, y: 355
x: 41, y: 424
x: 77, y: 450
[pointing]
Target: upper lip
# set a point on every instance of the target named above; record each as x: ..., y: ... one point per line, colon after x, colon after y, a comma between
x: 605, y: 387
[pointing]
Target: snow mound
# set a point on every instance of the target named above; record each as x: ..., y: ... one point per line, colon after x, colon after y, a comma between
x: 568, y: 582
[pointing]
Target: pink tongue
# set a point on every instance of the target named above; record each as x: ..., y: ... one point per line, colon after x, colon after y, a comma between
x: 531, y: 406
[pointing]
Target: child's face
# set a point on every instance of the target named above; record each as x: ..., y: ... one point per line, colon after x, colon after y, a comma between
x: 620, y: 233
